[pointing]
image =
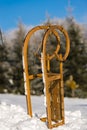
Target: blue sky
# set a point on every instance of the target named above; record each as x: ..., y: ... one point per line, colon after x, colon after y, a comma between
x: 34, y: 12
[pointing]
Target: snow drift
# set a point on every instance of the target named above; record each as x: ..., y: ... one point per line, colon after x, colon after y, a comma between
x: 14, y: 117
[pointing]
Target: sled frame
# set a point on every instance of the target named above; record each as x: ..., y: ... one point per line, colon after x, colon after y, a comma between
x: 53, y: 83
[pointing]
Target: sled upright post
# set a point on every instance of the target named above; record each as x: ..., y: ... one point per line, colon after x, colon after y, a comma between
x: 53, y: 82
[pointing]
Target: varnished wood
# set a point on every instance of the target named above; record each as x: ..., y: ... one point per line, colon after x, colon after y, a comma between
x: 53, y: 82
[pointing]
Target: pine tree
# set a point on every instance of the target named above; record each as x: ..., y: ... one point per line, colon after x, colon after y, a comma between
x: 76, y: 64
x: 17, y: 68
x: 4, y: 82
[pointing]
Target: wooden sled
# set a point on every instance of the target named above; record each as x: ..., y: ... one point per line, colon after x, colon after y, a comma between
x: 53, y: 82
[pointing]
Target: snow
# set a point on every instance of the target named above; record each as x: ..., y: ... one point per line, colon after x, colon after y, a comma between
x: 25, y: 86
x: 13, y: 113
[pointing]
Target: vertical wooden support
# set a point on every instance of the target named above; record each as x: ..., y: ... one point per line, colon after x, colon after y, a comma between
x: 27, y: 84
x: 62, y: 90
x: 48, y: 63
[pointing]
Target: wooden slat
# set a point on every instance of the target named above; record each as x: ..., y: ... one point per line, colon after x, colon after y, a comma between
x: 54, y: 77
x: 34, y: 76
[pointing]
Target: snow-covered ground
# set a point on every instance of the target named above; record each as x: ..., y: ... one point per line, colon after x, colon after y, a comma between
x: 13, y: 113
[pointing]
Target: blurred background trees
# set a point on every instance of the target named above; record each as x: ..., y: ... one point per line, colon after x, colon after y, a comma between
x: 11, y: 70
x: 16, y: 64
x: 76, y: 64
x: 4, y: 83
